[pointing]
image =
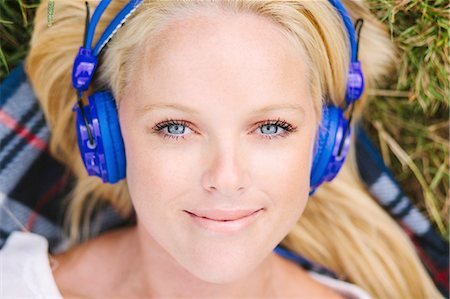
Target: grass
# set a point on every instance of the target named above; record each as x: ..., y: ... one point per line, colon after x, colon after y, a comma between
x: 410, y: 120
x: 16, y: 25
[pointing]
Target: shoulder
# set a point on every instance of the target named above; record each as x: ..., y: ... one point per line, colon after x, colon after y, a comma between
x: 83, y: 263
x: 345, y: 289
x: 25, y: 267
x: 295, y: 280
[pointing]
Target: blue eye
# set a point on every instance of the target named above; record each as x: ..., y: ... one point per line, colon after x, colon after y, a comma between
x: 270, y: 128
x: 175, y: 129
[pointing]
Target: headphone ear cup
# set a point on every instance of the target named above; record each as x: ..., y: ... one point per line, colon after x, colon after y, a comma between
x: 111, y: 142
x: 326, y: 148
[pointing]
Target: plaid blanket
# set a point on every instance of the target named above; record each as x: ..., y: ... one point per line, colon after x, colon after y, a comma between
x: 33, y: 185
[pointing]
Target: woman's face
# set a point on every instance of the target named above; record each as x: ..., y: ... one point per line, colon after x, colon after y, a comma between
x: 219, y: 125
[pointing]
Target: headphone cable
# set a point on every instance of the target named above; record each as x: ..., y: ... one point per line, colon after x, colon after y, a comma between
x: 88, y: 17
x: 358, y: 26
x: 88, y: 128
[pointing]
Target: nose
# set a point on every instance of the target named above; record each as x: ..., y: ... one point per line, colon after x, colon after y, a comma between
x: 226, y: 173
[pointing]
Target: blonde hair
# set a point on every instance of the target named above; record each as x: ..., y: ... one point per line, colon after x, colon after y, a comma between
x: 342, y: 227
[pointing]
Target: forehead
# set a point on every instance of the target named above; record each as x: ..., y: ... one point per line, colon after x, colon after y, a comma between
x: 222, y: 58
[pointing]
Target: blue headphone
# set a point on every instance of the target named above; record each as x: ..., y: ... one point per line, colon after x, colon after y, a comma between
x: 98, y: 130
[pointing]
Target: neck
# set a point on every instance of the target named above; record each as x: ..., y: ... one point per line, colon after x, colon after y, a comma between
x: 157, y: 274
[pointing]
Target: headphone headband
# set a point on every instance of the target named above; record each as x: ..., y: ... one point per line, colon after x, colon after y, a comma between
x: 349, y: 26
x: 115, y: 24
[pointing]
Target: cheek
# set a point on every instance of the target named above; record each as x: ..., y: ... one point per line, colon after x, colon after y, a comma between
x: 284, y: 168
x: 152, y: 171
x: 284, y: 176
x: 155, y: 172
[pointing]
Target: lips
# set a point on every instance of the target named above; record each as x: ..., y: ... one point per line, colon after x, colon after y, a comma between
x: 222, y: 215
x: 224, y: 222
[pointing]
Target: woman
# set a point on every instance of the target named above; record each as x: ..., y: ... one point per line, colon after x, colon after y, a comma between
x: 219, y: 105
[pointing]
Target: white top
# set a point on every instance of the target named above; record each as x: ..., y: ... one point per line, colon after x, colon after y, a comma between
x: 25, y: 271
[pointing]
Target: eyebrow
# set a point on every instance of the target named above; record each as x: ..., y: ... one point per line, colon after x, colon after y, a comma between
x: 184, y: 108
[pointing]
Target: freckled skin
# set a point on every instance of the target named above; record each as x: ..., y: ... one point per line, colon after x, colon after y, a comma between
x: 225, y: 67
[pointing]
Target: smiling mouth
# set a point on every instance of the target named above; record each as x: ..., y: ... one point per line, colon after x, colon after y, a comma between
x: 223, y: 219
x: 224, y: 222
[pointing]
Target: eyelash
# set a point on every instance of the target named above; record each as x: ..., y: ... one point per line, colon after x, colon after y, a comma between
x: 288, y: 128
